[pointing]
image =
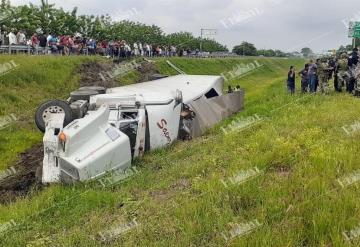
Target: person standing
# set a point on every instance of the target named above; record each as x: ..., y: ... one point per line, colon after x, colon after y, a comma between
x: 141, y: 49
x: 12, y: 37
x: 35, y: 43
x: 91, y: 46
x: 71, y: 44
x: 352, y: 63
x: 64, y: 42
x: 323, y: 75
x: 42, y: 43
x: 312, y: 76
x: 21, y: 38
x: 342, y: 70
x: 291, y: 80
x: 136, y: 50
x: 127, y: 51
x: 354, y: 58
x: 304, y: 74
x: 332, y: 64
x: 173, y: 51
x: 34, y: 40
x: 52, y: 41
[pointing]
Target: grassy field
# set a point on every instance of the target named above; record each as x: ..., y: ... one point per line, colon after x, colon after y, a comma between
x: 286, y: 176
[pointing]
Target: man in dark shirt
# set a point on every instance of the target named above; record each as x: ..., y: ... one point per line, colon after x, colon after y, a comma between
x: 291, y: 80
x: 352, y: 63
x: 354, y: 58
x: 304, y: 74
x: 312, y: 76
x: 42, y: 41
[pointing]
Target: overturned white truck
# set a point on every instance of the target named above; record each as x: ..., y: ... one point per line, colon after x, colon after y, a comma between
x: 98, y: 131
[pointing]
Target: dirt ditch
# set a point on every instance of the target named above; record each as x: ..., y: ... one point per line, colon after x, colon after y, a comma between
x: 107, y: 74
x: 20, y: 180
x: 22, y: 176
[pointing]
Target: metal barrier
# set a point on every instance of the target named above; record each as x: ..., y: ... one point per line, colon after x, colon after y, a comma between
x: 30, y: 50
x: 15, y: 49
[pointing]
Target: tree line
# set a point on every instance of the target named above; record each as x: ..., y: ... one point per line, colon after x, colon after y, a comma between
x: 51, y: 19
x: 248, y: 49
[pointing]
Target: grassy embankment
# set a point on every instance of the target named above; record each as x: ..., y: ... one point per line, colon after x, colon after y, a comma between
x: 179, y: 197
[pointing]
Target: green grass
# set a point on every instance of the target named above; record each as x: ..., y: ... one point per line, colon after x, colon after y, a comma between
x: 178, y: 198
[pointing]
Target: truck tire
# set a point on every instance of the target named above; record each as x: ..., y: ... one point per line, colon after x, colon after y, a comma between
x: 51, y: 107
x: 100, y: 90
x: 82, y: 94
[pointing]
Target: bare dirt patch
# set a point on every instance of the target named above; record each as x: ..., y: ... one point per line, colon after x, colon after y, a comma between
x: 91, y: 73
x: 23, y: 180
x: 146, y: 70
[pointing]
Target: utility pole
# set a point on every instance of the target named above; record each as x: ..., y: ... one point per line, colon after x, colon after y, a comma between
x: 207, y: 32
x: 354, y: 43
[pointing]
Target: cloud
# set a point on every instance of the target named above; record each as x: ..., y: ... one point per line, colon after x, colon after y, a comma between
x: 282, y: 24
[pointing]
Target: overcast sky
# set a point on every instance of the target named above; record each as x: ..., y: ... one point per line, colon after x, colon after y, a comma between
x: 278, y: 24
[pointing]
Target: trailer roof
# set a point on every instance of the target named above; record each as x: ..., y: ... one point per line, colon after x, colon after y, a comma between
x: 163, y: 90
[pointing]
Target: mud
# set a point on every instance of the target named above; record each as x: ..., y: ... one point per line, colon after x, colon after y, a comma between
x: 146, y: 70
x: 22, y: 180
x: 90, y: 74
x: 95, y: 73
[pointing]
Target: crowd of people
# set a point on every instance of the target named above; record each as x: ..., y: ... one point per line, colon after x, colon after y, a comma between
x: 344, y: 68
x: 78, y: 44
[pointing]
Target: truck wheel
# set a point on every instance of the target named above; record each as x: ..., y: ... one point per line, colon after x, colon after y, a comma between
x: 82, y: 95
x: 52, y: 107
x: 100, y: 90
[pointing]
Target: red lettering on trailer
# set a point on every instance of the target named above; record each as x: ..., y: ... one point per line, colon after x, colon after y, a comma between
x: 162, y: 124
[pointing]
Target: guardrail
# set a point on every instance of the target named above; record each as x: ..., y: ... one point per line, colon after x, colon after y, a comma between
x: 30, y: 50
x: 15, y: 48
x: 11, y: 49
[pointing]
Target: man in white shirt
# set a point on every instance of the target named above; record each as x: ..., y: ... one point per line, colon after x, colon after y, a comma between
x: 136, y: 49
x: 127, y: 50
x: 21, y: 38
x: 12, y: 37
x: 148, y: 50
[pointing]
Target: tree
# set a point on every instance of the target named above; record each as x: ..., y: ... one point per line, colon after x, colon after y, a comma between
x: 245, y: 49
x: 342, y: 49
x: 266, y: 53
x: 186, y: 40
x: 5, y: 4
x: 306, y: 51
x: 210, y: 45
x: 279, y: 53
x: 50, y: 19
x: 349, y: 47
